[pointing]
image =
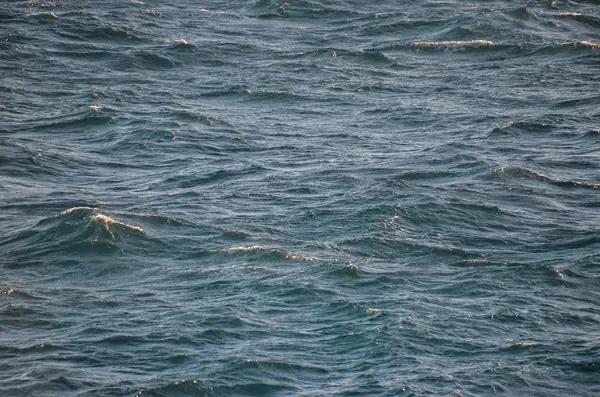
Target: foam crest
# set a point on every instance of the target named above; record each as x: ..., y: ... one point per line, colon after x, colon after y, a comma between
x: 213, y: 12
x: 588, y: 43
x: 569, y: 14
x: 105, y: 220
x: 525, y: 344
x: 253, y: 248
x: 294, y: 257
x: 108, y: 221
x: 475, y: 261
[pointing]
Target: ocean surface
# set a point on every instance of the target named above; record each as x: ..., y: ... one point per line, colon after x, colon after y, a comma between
x: 299, y: 198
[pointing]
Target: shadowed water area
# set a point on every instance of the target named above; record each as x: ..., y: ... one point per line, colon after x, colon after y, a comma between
x: 299, y: 198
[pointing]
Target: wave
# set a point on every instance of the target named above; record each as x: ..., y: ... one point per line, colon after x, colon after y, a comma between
x: 587, y: 43
x: 14, y: 351
x: 517, y: 346
x: 148, y: 59
x: 517, y: 171
x: 113, y: 34
x: 7, y: 15
x: 185, y: 388
x: 370, y: 56
x: 18, y: 160
x: 525, y: 126
x: 253, y: 93
x: 192, y: 180
x: 181, y: 44
x: 218, y: 13
x: 580, y: 17
x: 348, y: 271
x: 76, y: 230
x: 367, y: 56
x: 43, y: 16
x: 452, y: 43
x: 108, y: 222
x: 575, y: 44
x: 391, y: 247
x: 593, y: 133
x: 74, y: 122
x: 501, y: 48
x: 269, y: 251
x: 301, y: 9
x: 193, y: 116
x: 161, y: 219
x: 522, y: 13
x: 592, y: 100
x: 568, y: 14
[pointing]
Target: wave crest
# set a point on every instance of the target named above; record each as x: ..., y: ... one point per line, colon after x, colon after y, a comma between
x: 452, y: 43
x: 105, y: 220
x: 262, y: 249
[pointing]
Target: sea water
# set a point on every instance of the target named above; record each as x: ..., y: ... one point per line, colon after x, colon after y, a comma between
x: 299, y: 198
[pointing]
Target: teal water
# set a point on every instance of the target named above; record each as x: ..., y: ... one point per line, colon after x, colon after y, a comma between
x: 296, y: 198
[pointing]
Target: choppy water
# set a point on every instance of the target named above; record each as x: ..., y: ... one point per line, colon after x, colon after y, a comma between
x: 299, y: 198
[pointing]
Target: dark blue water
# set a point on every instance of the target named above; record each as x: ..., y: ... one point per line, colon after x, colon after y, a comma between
x: 299, y: 198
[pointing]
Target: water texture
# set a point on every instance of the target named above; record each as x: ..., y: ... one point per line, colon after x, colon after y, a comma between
x: 299, y: 198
